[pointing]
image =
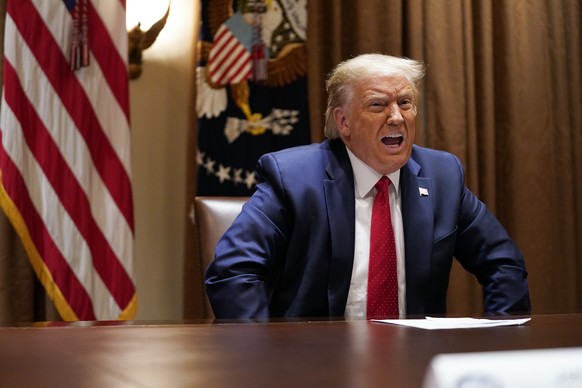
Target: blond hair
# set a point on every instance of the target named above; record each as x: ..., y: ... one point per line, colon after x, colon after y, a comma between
x: 340, y: 82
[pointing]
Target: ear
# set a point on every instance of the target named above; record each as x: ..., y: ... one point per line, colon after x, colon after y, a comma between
x: 341, y: 121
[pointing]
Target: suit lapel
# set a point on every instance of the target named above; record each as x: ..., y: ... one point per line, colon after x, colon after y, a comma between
x: 418, y: 223
x: 340, y: 200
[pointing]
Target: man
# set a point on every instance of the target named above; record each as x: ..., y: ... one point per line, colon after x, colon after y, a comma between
x: 301, y: 245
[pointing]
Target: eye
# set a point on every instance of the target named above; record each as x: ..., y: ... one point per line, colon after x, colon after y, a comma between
x: 376, y: 105
x: 406, y: 103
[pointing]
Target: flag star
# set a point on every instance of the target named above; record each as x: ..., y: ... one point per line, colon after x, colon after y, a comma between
x: 237, y: 175
x: 200, y: 158
x: 223, y: 173
x: 209, y: 166
x: 250, y: 180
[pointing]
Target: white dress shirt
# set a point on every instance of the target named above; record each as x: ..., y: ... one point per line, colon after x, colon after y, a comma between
x: 364, y: 180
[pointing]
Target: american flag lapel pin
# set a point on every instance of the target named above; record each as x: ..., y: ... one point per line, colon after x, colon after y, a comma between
x: 423, y: 192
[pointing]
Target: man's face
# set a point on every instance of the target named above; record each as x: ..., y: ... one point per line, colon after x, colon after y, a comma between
x: 377, y: 125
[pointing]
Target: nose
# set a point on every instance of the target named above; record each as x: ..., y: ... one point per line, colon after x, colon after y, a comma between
x: 394, y: 115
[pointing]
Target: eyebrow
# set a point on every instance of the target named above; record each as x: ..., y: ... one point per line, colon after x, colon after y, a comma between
x: 406, y: 92
x: 374, y: 96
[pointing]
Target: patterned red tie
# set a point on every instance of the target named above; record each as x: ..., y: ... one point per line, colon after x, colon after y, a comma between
x: 382, y: 278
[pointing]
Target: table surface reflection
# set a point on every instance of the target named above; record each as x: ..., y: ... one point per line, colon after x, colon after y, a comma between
x: 282, y: 354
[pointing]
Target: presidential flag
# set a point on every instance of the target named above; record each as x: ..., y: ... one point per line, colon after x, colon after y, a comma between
x: 64, y: 154
x: 252, y: 89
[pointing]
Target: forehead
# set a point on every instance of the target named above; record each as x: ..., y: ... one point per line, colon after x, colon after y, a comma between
x: 387, y: 85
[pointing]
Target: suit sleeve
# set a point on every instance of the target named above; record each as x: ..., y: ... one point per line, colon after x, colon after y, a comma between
x: 485, y: 249
x: 243, y: 267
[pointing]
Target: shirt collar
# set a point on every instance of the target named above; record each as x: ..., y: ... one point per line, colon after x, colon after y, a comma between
x: 365, y: 177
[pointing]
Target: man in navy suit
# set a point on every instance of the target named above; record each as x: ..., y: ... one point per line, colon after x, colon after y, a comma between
x: 300, y: 246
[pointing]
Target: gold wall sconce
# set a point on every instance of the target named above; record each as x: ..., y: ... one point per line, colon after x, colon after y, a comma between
x: 139, y: 40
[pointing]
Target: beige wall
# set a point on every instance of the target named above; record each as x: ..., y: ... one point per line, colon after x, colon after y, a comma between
x: 160, y: 104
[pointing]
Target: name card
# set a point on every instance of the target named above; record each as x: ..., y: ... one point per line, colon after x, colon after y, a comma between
x: 539, y: 368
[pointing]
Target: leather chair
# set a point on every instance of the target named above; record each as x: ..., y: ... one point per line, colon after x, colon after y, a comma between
x: 212, y: 216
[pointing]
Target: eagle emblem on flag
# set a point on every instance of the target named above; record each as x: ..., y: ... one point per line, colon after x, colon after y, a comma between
x: 251, y: 83
x: 264, y: 41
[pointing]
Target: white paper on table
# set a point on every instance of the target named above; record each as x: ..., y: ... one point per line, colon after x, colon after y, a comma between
x: 432, y: 323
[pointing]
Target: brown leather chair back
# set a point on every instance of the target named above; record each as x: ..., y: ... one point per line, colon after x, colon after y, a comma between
x: 212, y: 216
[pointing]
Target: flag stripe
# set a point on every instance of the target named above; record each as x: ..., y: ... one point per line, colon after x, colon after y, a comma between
x: 58, y: 224
x: 110, y: 114
x: 75, y: 101
x: 73, y: 149
x: 220, y: 54
x: 66, y: 187
x: 69, y: 285
x: 221, y: 46
x: 237, y: 59
x: 65, y: 160
x: 240, y: 68
x: 228, y: 61
x: 116, y: 128
x: 109, y: 59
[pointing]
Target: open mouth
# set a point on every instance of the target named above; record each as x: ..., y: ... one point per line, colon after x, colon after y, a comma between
x: 393, y: 140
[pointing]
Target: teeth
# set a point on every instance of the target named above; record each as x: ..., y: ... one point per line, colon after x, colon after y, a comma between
x: 393, y: 140
x: 393, y: 135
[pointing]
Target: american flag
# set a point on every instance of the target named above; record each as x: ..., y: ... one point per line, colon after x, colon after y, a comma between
x: 229, y: 60
x: 65, y: 153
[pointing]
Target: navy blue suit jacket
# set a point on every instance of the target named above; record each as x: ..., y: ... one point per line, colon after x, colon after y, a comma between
x: 290, y: 251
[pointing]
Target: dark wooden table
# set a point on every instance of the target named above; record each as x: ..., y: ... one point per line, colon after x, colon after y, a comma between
x: 276, y: 354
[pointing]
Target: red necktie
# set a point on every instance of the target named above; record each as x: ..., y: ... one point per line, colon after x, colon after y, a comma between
x: 382, y: 278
